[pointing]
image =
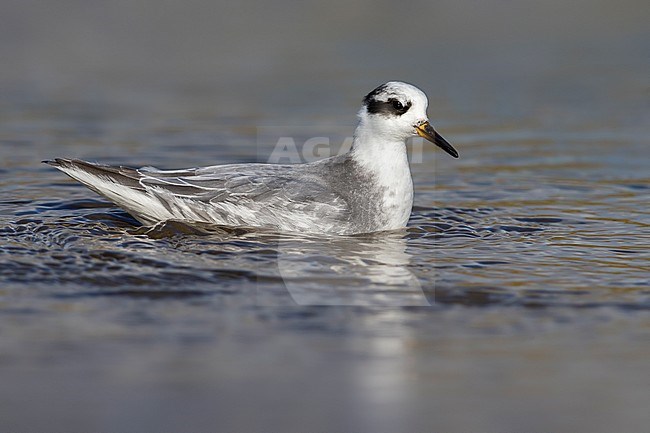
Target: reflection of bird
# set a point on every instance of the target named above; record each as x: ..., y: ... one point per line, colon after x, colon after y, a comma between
x: 365, y: 190
x: 372, y: 269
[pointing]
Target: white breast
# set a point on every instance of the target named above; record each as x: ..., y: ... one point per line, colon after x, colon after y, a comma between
x: 389, y: 166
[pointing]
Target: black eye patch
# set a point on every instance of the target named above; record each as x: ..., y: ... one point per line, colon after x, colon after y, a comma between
x: 391, y: 107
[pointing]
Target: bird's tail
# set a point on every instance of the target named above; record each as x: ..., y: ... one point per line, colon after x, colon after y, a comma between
x: 124, y: 176
x: 118, y: 184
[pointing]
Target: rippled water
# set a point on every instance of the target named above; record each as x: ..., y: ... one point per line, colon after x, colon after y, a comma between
x: 516, y: 299
x: 501, y: 226
x: 521, y: 278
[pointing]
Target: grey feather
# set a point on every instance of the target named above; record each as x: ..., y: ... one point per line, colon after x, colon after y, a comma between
x: 315, y: 197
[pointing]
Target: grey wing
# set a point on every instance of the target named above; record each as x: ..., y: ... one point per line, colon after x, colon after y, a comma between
x: 267, y: 195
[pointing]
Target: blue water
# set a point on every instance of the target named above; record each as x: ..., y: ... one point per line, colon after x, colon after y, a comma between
x: 516, y: 299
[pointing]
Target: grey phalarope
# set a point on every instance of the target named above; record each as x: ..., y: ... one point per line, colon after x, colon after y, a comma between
x: 367, y: 189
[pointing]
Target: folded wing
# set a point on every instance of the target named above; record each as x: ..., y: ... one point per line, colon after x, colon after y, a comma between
x: 284, y: 197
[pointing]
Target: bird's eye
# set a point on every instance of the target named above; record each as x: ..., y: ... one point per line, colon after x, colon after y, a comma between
x: 397, y: 105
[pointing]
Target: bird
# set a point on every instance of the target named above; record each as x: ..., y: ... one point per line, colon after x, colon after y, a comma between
x: 365, y: 190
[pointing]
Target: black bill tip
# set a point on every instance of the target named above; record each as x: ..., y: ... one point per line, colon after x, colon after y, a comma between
x: 425, y: 130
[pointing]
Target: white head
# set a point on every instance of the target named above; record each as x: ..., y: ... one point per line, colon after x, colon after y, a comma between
x: 396, y: 111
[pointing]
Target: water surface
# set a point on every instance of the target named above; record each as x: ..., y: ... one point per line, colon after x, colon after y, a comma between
x: 516, y: 299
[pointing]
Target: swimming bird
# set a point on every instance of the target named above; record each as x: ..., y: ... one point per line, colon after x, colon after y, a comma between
x: 367, y: 189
